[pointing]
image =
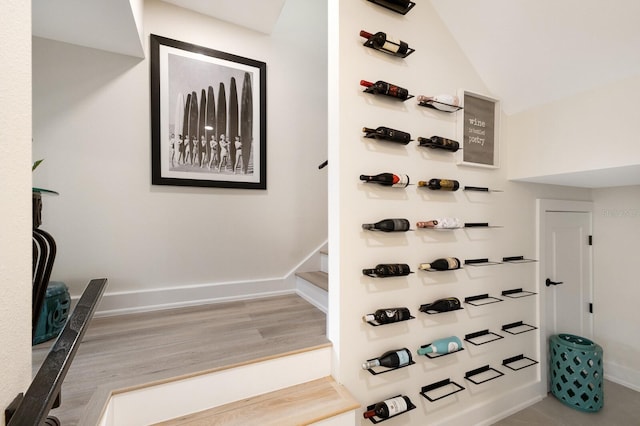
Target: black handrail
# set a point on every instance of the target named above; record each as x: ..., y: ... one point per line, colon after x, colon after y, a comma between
x: 32, y: 408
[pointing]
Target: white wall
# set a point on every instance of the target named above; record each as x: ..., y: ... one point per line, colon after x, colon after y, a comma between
x: 91, y: 124
x: 15, y: 209
x: 592, y: 131
x: 437, y: 66
x: 616, y: 317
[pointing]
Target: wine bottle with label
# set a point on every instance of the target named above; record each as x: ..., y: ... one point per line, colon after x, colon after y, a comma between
x: 389, y: 407
x: 441, y: 223
x: 444, y: 264
x: 441, y: 305
x: 388, y: 225
x: 380, y: 41
x: 385, y: 270
x: 442, y: 346
x: 384, y: 88
x: 438, y: 142
x: 387, y: 179
x: 447, y: 103
x: 388, y: 315
x: 388, y: 134
x: 391, y: 359
x: 440, y: 184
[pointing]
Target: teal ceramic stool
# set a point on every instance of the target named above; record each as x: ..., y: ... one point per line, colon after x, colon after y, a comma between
x: 55, y: 311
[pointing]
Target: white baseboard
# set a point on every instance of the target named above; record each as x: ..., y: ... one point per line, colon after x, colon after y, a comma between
x: 127, y: 302
x: 622, y: 375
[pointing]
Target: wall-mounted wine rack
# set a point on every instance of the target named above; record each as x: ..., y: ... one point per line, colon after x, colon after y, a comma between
x: 481, y: 300
x: 482, y: 375
x: 376, y: 419
x: 518, y: 362
x: 399, y: 6
x: 438, y: 388
x: 482, y: 337
x: 518, y: 327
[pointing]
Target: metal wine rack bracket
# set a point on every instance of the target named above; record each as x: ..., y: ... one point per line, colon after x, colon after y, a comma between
x: 439, y: 385
x: 386, y: 369
x: 369, y: 43
x: 481, y: 337
x: 433, y: 356
x: 518, y: 362
x: 480, y: 189
x: 430, y: 104
x: 488, y: 300
x: 377, y: 324
x: 480, y: 262
x: 469, y: 375
x: 394, y: 6
x: 517, y: 293
x: 373, y: 92
x: 518, y: 328
x: 517, y: 259
x: 376, y: 419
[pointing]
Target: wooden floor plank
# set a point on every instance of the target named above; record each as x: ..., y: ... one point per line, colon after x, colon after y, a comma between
x: 159, y: 345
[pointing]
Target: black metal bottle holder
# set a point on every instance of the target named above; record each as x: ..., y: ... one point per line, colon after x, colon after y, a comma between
x: 377, y: 324
x: 434, y: 312
x: 517, y: 293
x: 518, y: 362
x: 369, y: 43
x: 480, y: 189
x: 475, y: 300
x: 480, y: 262
x: 517, y: 259
x: 430, y: 104
x: 396, y: 6
x: 518, y: 327
x: 470, y: 375
x: 439, y: 385
x: 374, y: 135
x: 482, y: 337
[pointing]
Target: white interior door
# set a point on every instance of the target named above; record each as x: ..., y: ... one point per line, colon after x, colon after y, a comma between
x: 567, y: 285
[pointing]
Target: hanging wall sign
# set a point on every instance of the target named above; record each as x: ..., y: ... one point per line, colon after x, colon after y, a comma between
x: 478, y: 129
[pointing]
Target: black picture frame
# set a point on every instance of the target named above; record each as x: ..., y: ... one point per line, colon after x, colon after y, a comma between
x: 208, y: 117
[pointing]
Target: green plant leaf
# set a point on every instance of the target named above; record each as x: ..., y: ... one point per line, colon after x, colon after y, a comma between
x: 36, y: 164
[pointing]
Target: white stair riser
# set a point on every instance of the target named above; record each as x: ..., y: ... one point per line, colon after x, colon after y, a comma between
x: 312, y: 294
x: 324, y: 262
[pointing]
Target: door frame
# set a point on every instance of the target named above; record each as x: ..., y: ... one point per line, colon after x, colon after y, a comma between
x: 542, y: 207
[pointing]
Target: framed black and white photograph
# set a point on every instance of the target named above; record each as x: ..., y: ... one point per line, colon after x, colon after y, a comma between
x: 208, y: 117
x: 479, y: 130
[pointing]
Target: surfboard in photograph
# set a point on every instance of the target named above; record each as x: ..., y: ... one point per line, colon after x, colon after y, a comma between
x: 193, y: 124
x: 177, y: 129
x: 233, y: 119
x: 201, y: 130
x: 211, y: 120
x: 246, y: 121
x: 185, y: 129
x: 221, y: 114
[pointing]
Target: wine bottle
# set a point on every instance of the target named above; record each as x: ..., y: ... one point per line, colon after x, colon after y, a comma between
x: 387, y: 179
x: 388, y: 225
x: 442, y: 346
x: 388, y: 315
x: 388, y: 134
x: 390, y: 359
x: 441, y: 184
x: 388, y: 270
x: 384, y: 88
x: 442, y: 223
x: 440, y: 143
x: 441, y: 305
x: 389, y: 407
x: 444, y: 264
x: 446, y: 103
x: 380, y: 41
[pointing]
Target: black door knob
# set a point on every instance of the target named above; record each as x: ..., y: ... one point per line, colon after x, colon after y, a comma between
x: 549, y: 282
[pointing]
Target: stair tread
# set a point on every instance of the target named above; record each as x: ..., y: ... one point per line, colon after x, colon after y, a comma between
x: 317, y: 278
x: 301, y: 404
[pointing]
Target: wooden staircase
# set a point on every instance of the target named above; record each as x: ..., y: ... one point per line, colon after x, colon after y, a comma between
x: 313, y: 286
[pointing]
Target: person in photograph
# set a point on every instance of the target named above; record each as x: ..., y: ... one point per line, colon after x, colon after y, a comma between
x: 172, y: 149
x: 213, y: 158
x: 187, y: 150
x: 202, y: 150
x: 224, y: 152
x: 194, y: 149
x: 239, y: 159
x: 181, y: 149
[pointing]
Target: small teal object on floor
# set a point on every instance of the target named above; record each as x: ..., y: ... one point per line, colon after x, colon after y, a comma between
x: 55, y: 311
x: 576, y: 372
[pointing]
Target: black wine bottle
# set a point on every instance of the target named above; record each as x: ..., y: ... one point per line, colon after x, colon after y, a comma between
x: 380, y: 41
x: 439, y: 143
x: 441, y: 184
x: 384, y: 270
x: 384, y: 88
x: 390, y: 359
x: 388, y: 315
x: 389, y: 407
x: 444, y: 264
x: 388, y: 134
x: 441, y: 305
x: 388, y: 225
x: 387, y: 179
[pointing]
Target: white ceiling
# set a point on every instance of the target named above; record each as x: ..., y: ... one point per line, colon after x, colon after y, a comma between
x: 531, y: 52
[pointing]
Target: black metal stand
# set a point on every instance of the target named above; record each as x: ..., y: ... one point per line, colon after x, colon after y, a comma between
x: 433, y: 387
x: 518, y: 362
x: 482, y: 337
x: 473, y: 375
x: 481, y: 300
x: 517, y: 293
x: 518, y: 328
x: 401, y: 7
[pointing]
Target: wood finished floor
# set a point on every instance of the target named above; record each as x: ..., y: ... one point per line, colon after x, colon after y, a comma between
x: 174, y: 342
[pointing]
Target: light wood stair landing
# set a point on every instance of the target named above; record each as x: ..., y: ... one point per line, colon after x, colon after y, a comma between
x: 303, y: 404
